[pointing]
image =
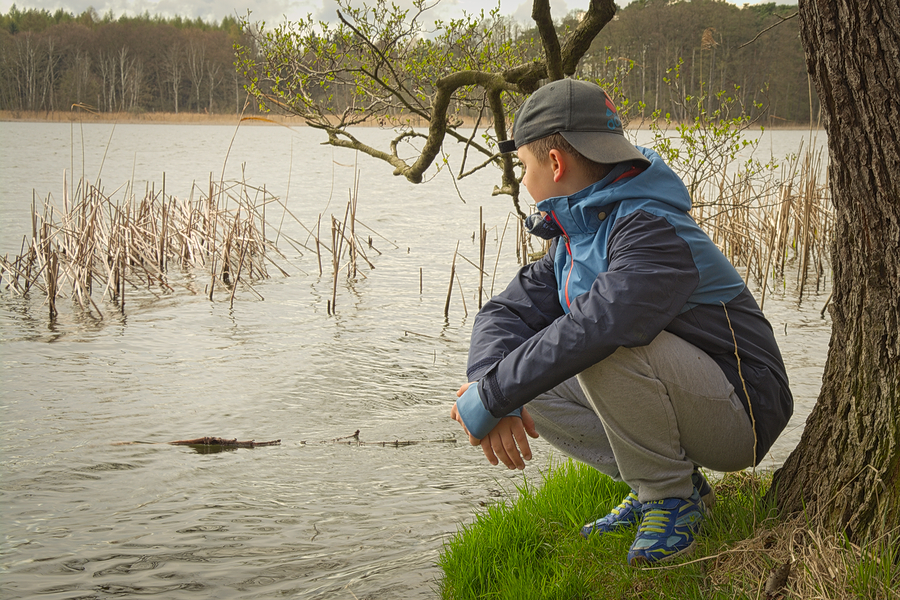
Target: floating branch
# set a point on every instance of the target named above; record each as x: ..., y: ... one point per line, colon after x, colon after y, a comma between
x: 353, y: 440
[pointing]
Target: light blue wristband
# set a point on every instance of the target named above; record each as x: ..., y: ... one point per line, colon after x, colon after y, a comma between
x: 479, y: 421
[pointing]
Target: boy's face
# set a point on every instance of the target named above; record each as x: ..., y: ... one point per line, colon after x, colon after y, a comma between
x: 539, y: 178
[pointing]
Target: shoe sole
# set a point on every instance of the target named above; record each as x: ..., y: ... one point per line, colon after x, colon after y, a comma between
x: 643, y: 561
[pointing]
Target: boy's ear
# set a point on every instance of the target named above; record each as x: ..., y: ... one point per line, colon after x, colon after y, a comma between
x: 559, y: 164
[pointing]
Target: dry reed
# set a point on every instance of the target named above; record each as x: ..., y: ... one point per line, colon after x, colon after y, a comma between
x: 764, y: 225
x: 95, y: 243
x: 345, y: 238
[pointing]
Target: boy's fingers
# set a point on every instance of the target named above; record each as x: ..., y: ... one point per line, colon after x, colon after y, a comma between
x: 528, y: 423
x: 503, y: 452
x: 515, y: 457
x: 522, y: 440
x: 488, y: 451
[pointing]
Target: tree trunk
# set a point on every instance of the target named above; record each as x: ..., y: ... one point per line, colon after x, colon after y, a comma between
x: 845, y: 473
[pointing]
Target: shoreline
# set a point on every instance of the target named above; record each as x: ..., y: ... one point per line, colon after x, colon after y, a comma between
x: 190, y: 118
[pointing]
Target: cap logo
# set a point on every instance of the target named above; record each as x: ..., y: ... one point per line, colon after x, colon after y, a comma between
x: 615, y: 122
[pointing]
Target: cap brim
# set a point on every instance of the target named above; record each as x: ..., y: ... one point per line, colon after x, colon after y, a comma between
x: 507, y: 146
x: 604, y: 147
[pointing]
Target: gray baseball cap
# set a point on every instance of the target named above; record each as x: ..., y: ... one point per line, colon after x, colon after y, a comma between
x: 583, y: 114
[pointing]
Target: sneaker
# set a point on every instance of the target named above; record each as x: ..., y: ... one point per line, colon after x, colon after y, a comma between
x: 667, y: 530
x: 706, y: 491
x: 627, y: 513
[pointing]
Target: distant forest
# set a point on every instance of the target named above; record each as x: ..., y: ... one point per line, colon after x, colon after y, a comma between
x: 661, y: 50
x: 51, y: 61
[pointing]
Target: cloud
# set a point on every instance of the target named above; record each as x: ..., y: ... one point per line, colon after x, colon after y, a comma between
x: 273, y: 11
x: 208, y: 10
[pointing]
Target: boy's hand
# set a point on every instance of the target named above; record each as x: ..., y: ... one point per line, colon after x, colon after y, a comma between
x: 507, y: 442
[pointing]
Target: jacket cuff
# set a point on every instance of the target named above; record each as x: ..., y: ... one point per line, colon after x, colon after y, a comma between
x: 479, y: 369
x: 479, y: 421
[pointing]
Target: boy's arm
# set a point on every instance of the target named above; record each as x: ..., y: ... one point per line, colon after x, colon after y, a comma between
x: 528, y: 304
x: 650, y: 277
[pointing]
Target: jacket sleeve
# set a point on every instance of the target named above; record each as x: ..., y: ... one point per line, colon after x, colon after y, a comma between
x: 651, y: 275
x: 529, y: 304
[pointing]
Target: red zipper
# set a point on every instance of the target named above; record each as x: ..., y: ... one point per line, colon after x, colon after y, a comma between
x: 632, y: 172
x: 569, y: 250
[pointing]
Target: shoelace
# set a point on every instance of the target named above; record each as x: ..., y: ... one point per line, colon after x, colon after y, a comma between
x: 629, y: 500
x: 655, y: 520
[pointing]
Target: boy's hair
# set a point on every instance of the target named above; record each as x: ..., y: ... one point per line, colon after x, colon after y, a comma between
x: 541, y: 148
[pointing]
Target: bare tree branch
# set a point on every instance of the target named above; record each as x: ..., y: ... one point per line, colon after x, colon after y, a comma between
x: 378, y: 65
x: 540, y: 12
x: 783, y: 19
x: 599, y: 13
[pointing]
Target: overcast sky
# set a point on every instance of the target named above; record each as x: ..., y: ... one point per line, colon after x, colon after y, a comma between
x: 272, y: 11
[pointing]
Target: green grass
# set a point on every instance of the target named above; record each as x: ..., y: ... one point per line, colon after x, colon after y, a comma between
x: 529, y: 547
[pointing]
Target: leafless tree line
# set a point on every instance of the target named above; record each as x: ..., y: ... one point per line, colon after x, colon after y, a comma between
x: 120, y: 66
x: 660, y: 52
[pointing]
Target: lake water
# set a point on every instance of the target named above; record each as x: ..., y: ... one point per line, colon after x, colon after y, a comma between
x: 84, y: 516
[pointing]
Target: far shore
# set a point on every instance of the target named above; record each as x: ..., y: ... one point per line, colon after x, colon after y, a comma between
x: 169, y: 118
x: 192, y: 118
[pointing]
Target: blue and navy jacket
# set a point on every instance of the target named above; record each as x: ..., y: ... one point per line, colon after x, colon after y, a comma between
x: 627, y: 262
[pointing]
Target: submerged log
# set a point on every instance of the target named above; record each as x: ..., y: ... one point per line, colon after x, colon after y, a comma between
x: 216, y: 441
x: 216, y: 444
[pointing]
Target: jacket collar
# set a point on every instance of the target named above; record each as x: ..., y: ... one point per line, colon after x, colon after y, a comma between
x: 578, y: 213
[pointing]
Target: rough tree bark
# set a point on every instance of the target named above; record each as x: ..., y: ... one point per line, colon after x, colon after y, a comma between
x: 845, y: 472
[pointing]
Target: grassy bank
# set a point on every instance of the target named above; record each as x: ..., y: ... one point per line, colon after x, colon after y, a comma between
x: 529, y: 547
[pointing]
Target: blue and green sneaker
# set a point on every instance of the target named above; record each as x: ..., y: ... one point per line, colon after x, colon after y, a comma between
x: 667, y: 530
x: 627, y: 513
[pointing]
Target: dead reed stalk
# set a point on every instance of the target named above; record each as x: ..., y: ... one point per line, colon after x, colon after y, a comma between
x: 482, y: 240
x: 345, y: 239
x: 450, y: 287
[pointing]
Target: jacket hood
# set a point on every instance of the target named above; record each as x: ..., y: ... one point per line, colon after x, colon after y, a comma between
x: 657, y: 182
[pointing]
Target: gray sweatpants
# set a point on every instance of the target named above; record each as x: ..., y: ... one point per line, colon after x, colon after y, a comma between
x: 647, y: 415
